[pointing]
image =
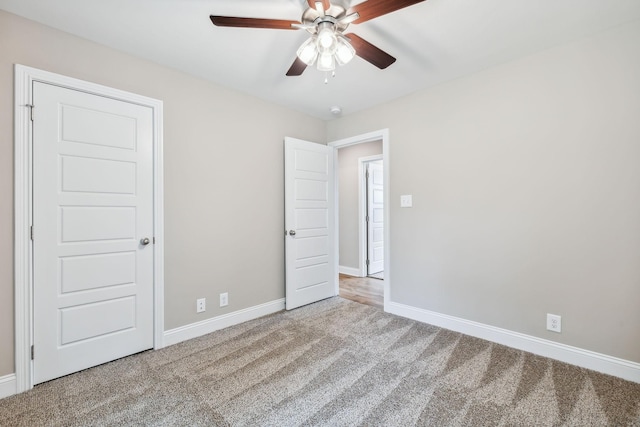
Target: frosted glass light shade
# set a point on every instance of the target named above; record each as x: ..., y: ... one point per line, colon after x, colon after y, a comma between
x: 344, y: 52
x: 327, y: 40
x: 326, y: 62
x: 308, y: 51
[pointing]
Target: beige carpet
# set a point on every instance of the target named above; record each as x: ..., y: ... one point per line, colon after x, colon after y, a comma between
x: 332, y: 363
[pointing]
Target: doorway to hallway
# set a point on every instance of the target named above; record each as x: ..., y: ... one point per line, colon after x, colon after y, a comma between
x: 364, y: 290
x: 352, y: 233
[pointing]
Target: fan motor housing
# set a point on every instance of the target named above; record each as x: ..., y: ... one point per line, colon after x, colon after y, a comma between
x: 333, y: 15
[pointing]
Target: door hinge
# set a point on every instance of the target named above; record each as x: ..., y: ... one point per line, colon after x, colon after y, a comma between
x: 31, y: 232
x: 367, y: 262
x: 32, y: 352
x: 367, y: 219
x: 30, y: 111
x: 367, y: 175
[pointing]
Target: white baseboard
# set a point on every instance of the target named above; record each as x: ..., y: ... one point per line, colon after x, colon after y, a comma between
x: 350, y: 271
x: 8, y: 386
x: 565, y: 353
x: 194, y: 330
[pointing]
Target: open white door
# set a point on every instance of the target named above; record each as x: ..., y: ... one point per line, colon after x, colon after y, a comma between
x: 309, y: 222
x: 375, y: 218
x: 92, y: 230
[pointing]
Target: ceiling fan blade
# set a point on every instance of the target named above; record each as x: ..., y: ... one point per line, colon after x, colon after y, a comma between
x: 369, y: 52
x: 232, y: 21
x: 326, y: 4
x: 297, y: 68
x: 373, y: 8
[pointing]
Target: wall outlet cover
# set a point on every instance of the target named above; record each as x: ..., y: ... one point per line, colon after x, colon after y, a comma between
x: 224, y: 299
x: 554, y: 323
x: 201, y: 305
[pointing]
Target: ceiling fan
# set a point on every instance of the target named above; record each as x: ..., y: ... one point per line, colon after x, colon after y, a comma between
x: 327, y: 22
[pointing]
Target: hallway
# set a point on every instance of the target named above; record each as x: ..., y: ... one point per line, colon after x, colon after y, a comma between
x: 365, y: 290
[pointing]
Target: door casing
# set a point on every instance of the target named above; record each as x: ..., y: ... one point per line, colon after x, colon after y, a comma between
x: 23, y: 207
x: 378, y: 135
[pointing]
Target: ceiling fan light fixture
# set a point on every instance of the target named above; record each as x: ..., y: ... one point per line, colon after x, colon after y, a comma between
x: 308, y: 51
x: 344, y: 51
x: 327, y: 22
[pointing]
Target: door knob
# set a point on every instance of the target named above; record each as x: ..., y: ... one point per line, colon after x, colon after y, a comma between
x: 292, y: 232
x: 145, y: 241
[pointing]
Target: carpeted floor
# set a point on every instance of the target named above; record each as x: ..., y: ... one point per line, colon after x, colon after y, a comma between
x: 332, y: 363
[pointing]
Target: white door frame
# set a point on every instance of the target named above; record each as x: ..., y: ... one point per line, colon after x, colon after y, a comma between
x: 382, y: 134
x: 362, y: 210
x: 23, y: 208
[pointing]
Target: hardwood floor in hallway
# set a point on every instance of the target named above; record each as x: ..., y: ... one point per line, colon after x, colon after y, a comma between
x: 364, y: 290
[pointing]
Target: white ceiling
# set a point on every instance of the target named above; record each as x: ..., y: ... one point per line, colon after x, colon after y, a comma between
x: 433, y: 41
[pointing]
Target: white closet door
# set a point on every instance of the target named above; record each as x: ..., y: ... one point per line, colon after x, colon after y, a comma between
x: 92, y: 211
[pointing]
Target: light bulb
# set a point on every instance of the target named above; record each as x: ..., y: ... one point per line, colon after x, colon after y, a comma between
x: 308, y: 52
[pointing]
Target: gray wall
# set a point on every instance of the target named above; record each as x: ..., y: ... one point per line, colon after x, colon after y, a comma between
x: 526, y: 192
x: 348, y: 198
x: 218, y: 173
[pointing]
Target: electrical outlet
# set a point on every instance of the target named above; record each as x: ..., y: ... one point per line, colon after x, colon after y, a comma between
x: 201, y: 305
x: 554, y: 323
x: 224, y: 299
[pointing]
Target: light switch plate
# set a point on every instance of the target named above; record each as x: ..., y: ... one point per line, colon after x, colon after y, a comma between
x: 406, y: 201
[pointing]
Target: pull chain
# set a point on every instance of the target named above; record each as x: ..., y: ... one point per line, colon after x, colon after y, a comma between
x: 326, y: 76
